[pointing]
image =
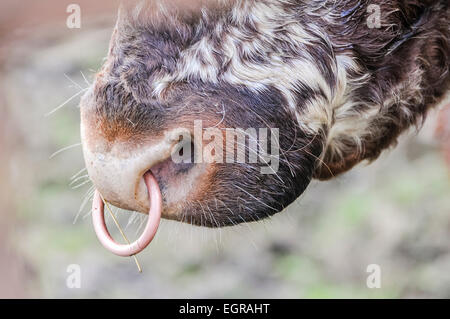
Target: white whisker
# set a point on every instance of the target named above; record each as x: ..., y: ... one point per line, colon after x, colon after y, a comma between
x: 79, y: 86
x: 85, y: 79
x: 78, y: 179
x: 64, y: 149
x: 87, y: 198
x: 66, y: 102
x: 78, y: 173
x: 82, y: 184
x: 257, y: 199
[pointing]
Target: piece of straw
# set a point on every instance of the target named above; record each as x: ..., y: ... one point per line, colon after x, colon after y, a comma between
x: 121, y: 231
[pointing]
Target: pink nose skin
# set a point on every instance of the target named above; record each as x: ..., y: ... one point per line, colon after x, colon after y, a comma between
x: 154, y: 217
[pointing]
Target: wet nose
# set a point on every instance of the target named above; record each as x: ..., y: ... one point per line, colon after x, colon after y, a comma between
x: 117, y: 168
x: 119, y: 179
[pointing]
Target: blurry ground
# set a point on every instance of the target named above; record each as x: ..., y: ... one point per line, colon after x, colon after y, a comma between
x: 394, y: 213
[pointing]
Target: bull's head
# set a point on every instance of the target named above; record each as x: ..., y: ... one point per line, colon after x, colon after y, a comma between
x: 236, y: 105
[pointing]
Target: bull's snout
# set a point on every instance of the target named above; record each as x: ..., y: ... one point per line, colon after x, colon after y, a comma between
x: 117, y: 168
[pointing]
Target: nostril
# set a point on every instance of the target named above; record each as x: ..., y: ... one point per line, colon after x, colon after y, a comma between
x: 183, y: 168
x: 180, y: 161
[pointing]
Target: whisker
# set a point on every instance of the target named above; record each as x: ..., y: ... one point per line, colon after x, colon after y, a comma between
x: 64, y: 149
x: 66, y: 102
x: 87, y: 197
x: 82, y: 184
x: 215, y: 221
x: 260, y: 157
x: 85, y: 79
x: 257, y: 199
x: 131, y: 220
x: 78, y: 179
x: 142, y: 222
x: 87, y: 214
x: 79, y: 86
x: 77, y: 174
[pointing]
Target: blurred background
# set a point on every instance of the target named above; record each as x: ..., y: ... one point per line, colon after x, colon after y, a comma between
x: 394, y: 213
